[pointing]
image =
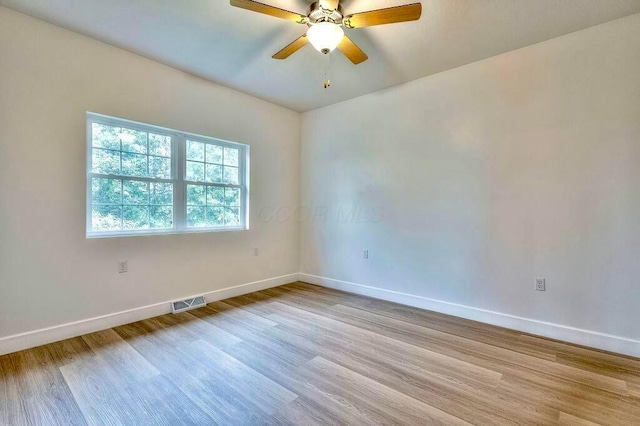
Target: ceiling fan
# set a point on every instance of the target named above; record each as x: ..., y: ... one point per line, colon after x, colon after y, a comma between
x: 325, y: 19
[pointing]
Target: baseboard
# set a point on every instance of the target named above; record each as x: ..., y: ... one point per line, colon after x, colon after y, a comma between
x: 30, y: 339
x: 578, y: 336
x: 607, y: 342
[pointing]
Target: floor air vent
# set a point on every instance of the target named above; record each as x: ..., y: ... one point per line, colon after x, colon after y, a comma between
x: 185, y: 305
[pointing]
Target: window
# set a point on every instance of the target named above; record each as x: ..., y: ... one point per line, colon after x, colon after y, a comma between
x: 143, y: 179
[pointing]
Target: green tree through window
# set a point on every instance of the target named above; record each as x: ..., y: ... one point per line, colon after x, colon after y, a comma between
x: 134, y: 170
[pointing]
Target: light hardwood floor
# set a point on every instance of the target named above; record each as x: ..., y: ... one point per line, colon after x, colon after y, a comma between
x: 301, y: 354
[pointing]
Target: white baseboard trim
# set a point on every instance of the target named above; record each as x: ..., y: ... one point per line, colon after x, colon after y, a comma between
x: 30, y: 339
x: 607, y: 342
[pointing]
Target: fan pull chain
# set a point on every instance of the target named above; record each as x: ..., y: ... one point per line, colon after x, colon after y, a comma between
x: 327, y: 69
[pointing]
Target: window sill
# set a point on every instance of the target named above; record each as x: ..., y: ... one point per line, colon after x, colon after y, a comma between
x: 97, y: 235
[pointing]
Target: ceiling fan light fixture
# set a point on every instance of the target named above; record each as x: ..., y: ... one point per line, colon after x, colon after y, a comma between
x: 325, y: 36
x: 326, y: 18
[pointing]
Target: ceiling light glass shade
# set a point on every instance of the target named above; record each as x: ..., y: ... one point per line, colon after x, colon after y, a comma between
x: 325, y: 36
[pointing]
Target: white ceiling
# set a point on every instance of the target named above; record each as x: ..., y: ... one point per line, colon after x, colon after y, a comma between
x: 233, y: 47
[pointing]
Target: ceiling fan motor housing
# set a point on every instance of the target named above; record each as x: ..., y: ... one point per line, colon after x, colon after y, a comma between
x: 317, y: 14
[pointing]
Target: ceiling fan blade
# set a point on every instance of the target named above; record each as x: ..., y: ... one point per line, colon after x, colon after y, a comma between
x: 329, y: 4
x: 269, y: 10
x: 351, y: 51
x: 409, y: 12
x: 292, y: 47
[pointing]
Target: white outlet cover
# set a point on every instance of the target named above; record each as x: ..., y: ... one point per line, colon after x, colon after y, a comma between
x: 122, y: 266
x: 541, y: 284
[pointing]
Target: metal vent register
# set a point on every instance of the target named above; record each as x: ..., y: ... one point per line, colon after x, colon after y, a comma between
x: 185, y: 305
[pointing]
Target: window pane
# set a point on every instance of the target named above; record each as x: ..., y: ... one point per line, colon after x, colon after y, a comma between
x: 133, y: 179
x: 106, y: 218
x: 161, y: 193
x: 106, y: 162
x: 160, y: 167
x: 196, y: 217
x: 134, y: 164
x: 195, y: 171
x: 230, y: 157
x: 232, y: 216
x: 134, y: 192
x: 106, y: 191
x: 214, y: 154
x: 215, y: 216
x: 133, y: 140
x: 230, y: 175
x: 161, y: 217
x: 105, y: 136
x: 213, y: 173
x: 135, y: 217
x: 196, y: 195
x: 195, y: 151
x: 159, y: 145
x: 232, y: 196
x: 215, y: 196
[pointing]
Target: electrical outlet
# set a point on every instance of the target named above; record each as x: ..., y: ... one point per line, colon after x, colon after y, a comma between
x: 256, y: 252
x: 541, y: 284
x: 122, y: 266
x: 365, y: 254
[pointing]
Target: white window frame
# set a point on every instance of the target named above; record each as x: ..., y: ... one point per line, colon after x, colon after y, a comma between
x: 178, y: 178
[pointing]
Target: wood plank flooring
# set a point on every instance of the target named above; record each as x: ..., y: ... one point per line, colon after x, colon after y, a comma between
x: 306, y: 355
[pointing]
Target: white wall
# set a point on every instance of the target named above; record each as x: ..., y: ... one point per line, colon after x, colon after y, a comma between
x: 467, y: 184
x: 49, y: 273
x: 464, y: 185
